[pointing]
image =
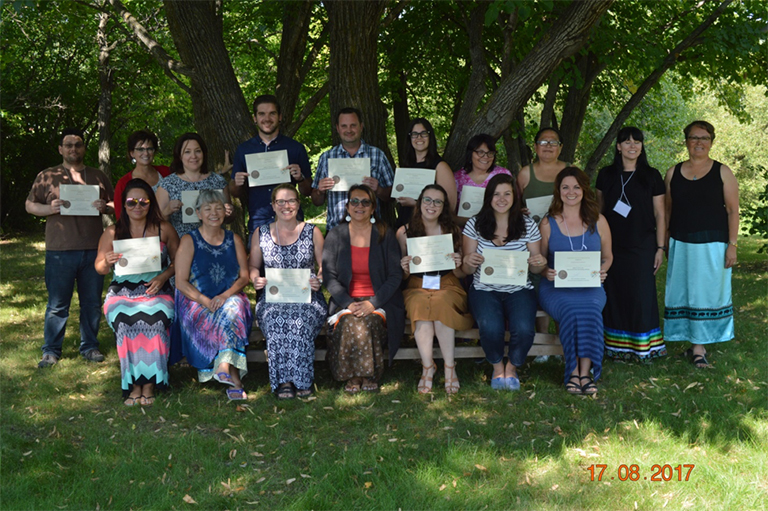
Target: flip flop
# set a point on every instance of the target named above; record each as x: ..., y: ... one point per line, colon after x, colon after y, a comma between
x: 145, y: 400
x: 236, y: 394
x: 304, y: 392
x: 352, y: 387
x: 224, y: 378
x: 370, y: 386
x: 131, y: 401
x: 285, y: 391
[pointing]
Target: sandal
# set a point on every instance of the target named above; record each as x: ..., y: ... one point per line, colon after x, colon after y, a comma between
x: 452, y: 383
x: 146, y: 400
x: 224, y: 378
x: 573, y: 388
x: 589, y: 389
x: 285, y: 391
x: 237, y: 394
x: 352, y: 386
x: 131, y: 401
x: 370, y: 385
x: 699, y: 361
x: 304, y: 392
x: 425, y: 383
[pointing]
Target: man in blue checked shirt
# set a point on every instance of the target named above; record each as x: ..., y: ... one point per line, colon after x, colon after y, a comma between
x: 349, y: 125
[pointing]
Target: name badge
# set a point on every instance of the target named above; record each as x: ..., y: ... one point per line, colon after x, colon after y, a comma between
x: 430, y: 282
x: 622, y: 208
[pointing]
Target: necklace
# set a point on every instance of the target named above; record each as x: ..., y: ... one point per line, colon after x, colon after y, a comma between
x: 583, y: 246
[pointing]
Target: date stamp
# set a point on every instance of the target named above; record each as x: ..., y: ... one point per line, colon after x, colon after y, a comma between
x: 598, y: 472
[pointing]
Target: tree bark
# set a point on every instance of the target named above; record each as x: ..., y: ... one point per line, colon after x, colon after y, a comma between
x: 106, y: 83
x: 548, y: 117
x: 401, y: 115
x: 576, y: 103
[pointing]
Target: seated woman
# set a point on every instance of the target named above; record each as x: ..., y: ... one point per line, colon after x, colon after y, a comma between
x: 139, y: 307
x: 579, y: 310
x: 290, y: 328
x: 213, y: 314
x: 436, y: 302
x: 361, y: 265
x: 501, y: 225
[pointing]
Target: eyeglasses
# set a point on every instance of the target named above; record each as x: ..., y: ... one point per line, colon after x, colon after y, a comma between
x: 544, y: 143
x: 699, y: 139
x: 419, y: 134
x: 144, y: 149
x: 430, y: 200
x: 356, y: 202
x: 78, y: 145
x: 130, y: 202
x: 484, y: 154
x: 283, y: 202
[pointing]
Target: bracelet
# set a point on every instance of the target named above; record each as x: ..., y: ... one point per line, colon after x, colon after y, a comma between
x: 662, y: 247
x: 735, y: 245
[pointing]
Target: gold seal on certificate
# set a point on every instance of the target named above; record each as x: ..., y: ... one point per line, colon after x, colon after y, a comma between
x: 431, y: 253
x: 188, y: 200
x: 78, y: 200
x: 139, y: 255
x: 577, y: 269
x: 504, y: 267
x: 346, y: 172
x: 471, y: 201
x: 410, y: 182
x: 538, y: 207
x: 267, y: 168
x: 288, y: 285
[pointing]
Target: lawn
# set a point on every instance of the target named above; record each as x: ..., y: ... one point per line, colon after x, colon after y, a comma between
x: 69, y: 443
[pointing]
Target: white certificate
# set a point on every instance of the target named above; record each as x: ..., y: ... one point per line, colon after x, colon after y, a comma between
x: 410, y: 182
x: 504, y: 267
x: 346, y: 172
x: 577, y: 269
x: 268, y: 168
x: 538, y: 207
x: 188, y: 200
x: 288, y: 285
x: 77, y: 200
x: 431, y: 253
x: 138, y: 255
x: 471, y: 201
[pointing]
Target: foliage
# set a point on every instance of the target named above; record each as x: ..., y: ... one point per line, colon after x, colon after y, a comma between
x: 756, y: 215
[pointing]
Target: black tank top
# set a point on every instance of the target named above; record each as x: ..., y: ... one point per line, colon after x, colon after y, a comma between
x: 698, y: 207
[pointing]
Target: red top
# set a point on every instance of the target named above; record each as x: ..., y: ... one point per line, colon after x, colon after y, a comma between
x: 361, y: 284
x: 120, y: 187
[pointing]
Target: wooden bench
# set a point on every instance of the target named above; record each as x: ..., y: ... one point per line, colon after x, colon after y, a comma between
x: 543, y: 344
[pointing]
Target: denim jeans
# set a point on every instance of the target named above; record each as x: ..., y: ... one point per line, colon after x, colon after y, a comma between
x: 64, y: 269
x: 492, y: 309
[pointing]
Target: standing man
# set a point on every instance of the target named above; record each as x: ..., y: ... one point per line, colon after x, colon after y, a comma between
x: 349, y: 125
x: 70, y: 248
x: 267, y: 116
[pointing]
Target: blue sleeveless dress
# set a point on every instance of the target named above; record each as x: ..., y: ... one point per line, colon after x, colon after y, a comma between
x: 579, y: 311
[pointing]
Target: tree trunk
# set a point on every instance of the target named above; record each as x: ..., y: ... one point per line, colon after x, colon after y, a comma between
x: 576, y: 103
x: 548, y: 117
x: 106, y: 83
x: 401, y: 115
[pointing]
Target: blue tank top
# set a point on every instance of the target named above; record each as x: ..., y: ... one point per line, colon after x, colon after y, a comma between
x: 559, y: 242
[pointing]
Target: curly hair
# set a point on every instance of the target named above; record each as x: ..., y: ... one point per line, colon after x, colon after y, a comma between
x: 446, y: 219
x: 589, y: 210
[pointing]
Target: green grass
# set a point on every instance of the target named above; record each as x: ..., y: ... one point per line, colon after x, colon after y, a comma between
x: 69, y: 443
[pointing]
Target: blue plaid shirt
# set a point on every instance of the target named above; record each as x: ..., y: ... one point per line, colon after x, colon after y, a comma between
x: 336, y: 201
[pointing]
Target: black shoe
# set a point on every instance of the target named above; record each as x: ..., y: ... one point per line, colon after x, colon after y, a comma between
x: 49, y: 359
x: 93, y: 355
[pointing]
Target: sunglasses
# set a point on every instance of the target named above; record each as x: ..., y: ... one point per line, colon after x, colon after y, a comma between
x: 356, y: 202
x: 130, y: 202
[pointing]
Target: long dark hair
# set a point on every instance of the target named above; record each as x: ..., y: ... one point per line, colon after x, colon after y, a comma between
x: 446, y: 219
x: 178, y: 147
x: 472, y: 146
x: 154, y: 218
x: 380, y: 225
x: 410, y: 153
x: 485, y: 222
x: 642, y: 169
x: 589, y: 210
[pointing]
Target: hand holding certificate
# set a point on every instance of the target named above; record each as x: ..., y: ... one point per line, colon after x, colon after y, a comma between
x: 288, y: 285
x: 268, y: 168
x: 77, y: 200
x: 410, y: 182
x: 538, y: 207
x: 577, y: 269
x: 346, y: 172
x: 431, y: 253
x: 471, y: 201
x: 504, y: 267
x: 138, y: 255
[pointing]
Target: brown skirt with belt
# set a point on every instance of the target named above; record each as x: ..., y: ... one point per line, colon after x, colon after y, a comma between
x: 447, y: 305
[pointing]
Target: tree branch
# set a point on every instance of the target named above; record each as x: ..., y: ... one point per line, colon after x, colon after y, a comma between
x: 308, y: 108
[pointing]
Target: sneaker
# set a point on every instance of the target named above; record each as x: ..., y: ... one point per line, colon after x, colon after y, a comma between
x: 93, y: 355
x: 48, y: 360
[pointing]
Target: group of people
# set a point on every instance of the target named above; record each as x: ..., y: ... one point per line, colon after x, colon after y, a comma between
x: 194, y: 307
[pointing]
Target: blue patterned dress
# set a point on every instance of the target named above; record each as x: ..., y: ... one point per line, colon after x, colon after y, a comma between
x: 290, y: 328
x: 212, y: 338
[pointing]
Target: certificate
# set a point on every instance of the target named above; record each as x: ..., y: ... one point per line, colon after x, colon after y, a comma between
x: 138, y: 255
x: 538, y: 207
x: 188, y: 200
x: 504, y: 267
x: 577, y: 269
x: 471, y: 201
x: 346, y: 172
x: 77, y: 200
x: 288, y: 285
x: 431, y: 253
x: 268, y: 168
x: 410, y: 182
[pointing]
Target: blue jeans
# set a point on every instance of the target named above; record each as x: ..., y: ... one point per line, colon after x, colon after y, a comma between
x: 64, y: 268
x: 492, y: 309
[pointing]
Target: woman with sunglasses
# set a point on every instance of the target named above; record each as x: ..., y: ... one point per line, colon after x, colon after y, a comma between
x: 420, y: 152
x: 435, y: 302
x: 290, y: 328
x: 479, y: 166
x: 139, y: 307
x: 361, y: 265
x: 142, y: 146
